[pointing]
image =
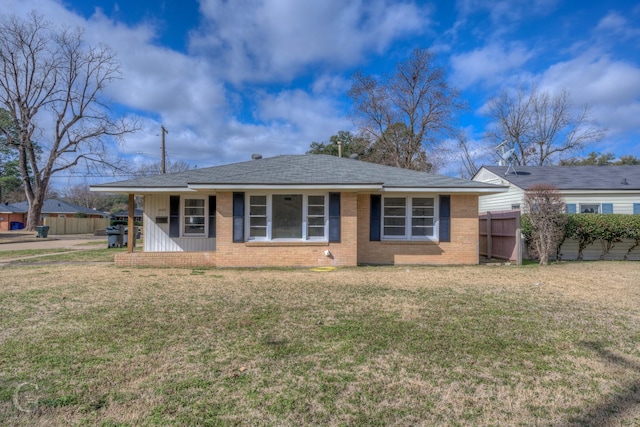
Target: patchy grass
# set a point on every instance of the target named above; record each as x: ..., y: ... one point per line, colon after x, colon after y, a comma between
x: 482, y: 345
x: 28, y: 252
x: 84, y: 255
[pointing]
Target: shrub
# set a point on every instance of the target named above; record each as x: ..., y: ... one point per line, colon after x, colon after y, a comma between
x: 545, y: 208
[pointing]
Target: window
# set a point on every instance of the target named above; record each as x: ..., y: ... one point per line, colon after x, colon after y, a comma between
x: 409, y: 218
x: 315, y: 217
x: 589, y: 208
x: 194, y: 217
x: 287, y: 216
x: 515, y: 207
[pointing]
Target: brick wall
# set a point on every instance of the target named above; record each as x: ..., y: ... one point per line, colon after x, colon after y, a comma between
x: 165, y: 259
x: 285, y: 254
x: 463, y: 248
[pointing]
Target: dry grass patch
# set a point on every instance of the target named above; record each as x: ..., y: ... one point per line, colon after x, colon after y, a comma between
x: 474, y: 345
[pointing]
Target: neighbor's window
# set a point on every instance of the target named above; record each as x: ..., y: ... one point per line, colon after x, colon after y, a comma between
x: 589, y: 208
x: 409, y: 218
x: 194, y: 216
x: 287, y: 216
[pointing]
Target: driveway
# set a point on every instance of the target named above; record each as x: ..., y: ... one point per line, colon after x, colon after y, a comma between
x: 27, y: 240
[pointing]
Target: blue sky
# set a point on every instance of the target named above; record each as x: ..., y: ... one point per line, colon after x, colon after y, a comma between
x: 232, y: 78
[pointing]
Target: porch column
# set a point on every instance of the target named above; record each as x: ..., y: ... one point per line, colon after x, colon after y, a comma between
x: 131, y: 235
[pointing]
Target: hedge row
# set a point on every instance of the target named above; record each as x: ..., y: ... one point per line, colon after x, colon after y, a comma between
x: 608, y: 229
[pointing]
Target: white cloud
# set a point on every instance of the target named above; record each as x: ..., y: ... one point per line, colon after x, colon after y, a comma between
x: 506, y: 11
x: 267, y: 40
x: 488, y: 64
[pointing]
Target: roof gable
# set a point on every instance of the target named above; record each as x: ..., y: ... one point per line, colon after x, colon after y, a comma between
x: 615, y: 178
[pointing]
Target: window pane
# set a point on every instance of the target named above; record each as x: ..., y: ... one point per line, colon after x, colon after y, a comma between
x: 315, y: 231
x: 394, y: 231
x: 257, y: 210
x: 422, y: 231
x: 287, y: 216
x: 422, y: 211
x: 194, y: 220
x: 316, y: 221
x: 192, y: 203
x: 258, y: 231
x: 258, y: 200
x: 394, y: 211
x: 589, y: 208
x: 316, y: 200
x: 258, y: 221
x: 422, y: 222
x: 194, y: 211
x: 194, y: 229
x: 422, y: 202
x: 394, y: 201
x: 394, y: 221
x: 316, y: 210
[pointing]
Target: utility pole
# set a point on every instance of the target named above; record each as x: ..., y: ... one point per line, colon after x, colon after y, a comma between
x: 162, y: 161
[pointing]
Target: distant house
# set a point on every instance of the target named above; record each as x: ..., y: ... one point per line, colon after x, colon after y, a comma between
x: 124, y: 215
x: 17, y: 212
x: 586, y: 189
x: 305, y: 210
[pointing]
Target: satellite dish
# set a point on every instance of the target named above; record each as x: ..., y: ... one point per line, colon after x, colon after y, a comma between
x: 507, y: 156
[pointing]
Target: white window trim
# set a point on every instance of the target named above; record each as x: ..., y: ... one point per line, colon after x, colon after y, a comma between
x: 305, y: 213
x: 183, y: 216
x: 408, y: 216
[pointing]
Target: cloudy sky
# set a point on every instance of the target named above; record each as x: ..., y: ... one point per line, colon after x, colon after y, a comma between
x: 232, y: 78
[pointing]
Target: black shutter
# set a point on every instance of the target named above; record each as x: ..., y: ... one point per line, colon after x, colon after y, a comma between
x: 238, y: 217
x: 374, y: 223
x: 445, y: 218
x: 334, y: 217
x: 174, y: 216
x: 212, y: 216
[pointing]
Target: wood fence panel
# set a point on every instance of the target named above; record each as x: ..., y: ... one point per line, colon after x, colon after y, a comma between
x: 500, y: 235
x: 75, y: 225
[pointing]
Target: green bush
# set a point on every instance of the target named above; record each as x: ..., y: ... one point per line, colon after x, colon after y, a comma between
x: 608, y: 229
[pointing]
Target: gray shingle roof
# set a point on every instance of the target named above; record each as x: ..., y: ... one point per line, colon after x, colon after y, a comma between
x: 573, y: 177
x: 58, y: 206
x: 11, y: 208
x: 308, y: 169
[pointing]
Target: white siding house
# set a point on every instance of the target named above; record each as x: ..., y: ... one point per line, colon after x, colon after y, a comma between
x: 586, y: 189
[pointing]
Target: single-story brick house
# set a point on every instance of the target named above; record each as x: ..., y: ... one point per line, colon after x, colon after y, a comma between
x: 17, y: 212
x: 304, y: 210
x: 586, y: 189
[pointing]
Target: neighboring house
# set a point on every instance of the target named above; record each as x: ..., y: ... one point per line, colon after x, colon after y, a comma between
x: 305, y: 210
x: 124, y: 215
x: 50, y: 208
x: 586, y: 189
x: 11, y: 217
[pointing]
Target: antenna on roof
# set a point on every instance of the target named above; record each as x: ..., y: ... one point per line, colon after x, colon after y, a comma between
x: 501, y: 145
x: 507, y: 157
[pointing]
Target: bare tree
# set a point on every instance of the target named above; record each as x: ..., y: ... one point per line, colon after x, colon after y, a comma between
x: 51, y: 83
x: 416, y: 96
x: 156, y: 168
x: 540, y: 126
x: 469, y: 167
x: 545, y: 207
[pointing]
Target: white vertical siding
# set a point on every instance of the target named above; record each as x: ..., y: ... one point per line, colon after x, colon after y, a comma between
x: 156, y: 236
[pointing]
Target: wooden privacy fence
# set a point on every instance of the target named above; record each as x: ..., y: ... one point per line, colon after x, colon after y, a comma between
x: 75, y: 225
x: 500, y: 235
